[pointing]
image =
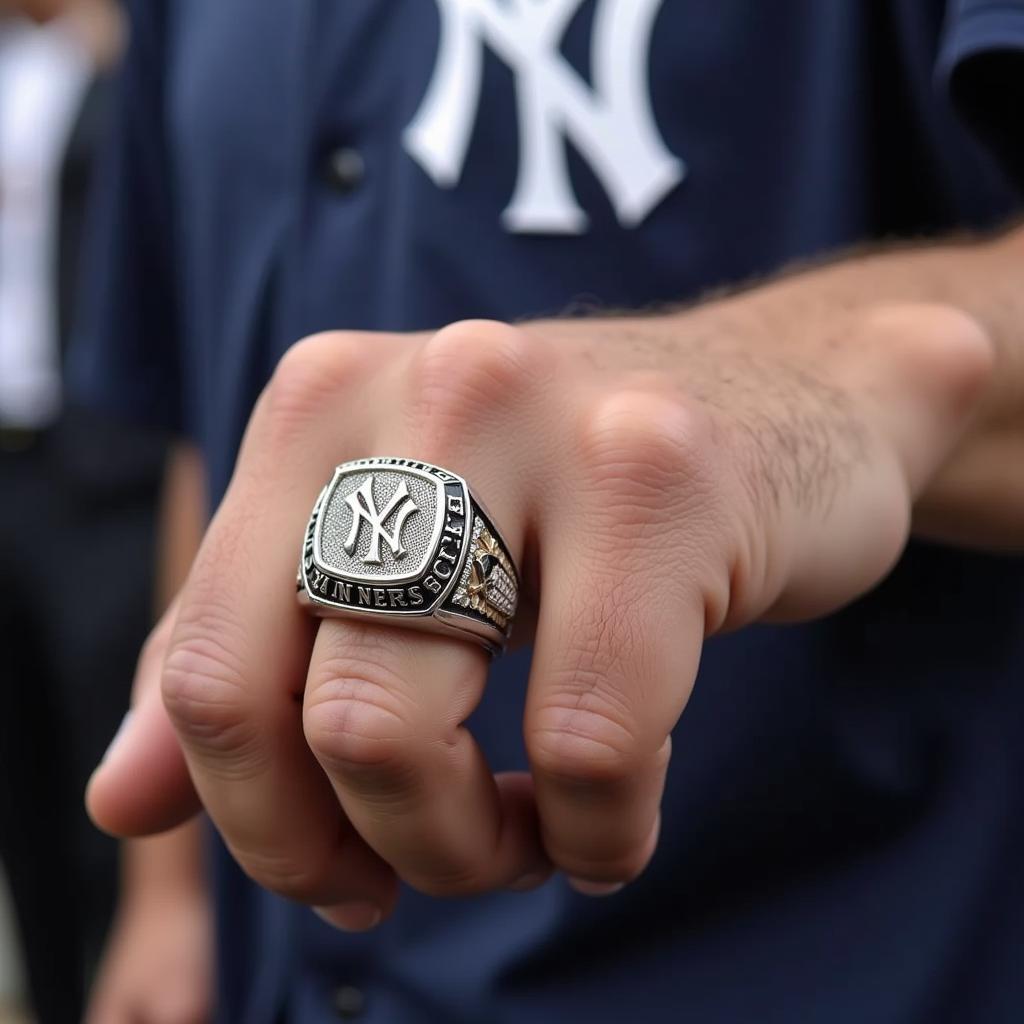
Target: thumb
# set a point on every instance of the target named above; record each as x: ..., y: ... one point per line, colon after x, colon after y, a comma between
x: 142, y: 785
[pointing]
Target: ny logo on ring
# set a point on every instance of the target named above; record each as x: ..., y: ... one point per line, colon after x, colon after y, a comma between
x: 611, y: 124
x: 364, y: 509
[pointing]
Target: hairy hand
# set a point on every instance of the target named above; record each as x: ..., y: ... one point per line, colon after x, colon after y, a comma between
x: 658, y: 479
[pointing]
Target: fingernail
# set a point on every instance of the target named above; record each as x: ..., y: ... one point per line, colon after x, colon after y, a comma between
x: 350, y: 917
x: 118, y: 736
x: 586, y: 888
x: 530, y: 881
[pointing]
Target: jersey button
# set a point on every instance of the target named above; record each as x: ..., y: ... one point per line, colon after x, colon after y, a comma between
x: 349, y: 1002
x: 344, y: 169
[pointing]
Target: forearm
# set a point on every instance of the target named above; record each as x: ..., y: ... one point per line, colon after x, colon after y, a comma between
x: 813, y: 331
x: 983, y: 278
x: 977, y: 495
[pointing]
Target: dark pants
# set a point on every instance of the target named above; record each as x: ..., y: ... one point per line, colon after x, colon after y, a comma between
x: 76, y: 557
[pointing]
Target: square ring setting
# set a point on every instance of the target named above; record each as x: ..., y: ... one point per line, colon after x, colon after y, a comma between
x: 405, y: 540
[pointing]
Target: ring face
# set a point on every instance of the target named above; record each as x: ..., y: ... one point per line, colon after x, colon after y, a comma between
x: 405, y: 540
x: 382, y: 525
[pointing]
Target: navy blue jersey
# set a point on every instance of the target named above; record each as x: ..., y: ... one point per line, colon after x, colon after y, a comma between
x: 843, y: 835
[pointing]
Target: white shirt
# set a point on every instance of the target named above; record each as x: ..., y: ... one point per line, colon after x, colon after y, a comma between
x: 44, y: 73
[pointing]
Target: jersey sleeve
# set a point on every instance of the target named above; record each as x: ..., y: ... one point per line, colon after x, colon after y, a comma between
x: 981, y: 64
x: 124, y: 357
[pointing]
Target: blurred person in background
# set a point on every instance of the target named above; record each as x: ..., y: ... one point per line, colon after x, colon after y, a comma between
x: 158, y: 963
x: 77, y: 504
x: 837, y: 836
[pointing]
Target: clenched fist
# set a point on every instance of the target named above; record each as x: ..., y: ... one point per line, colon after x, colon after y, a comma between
x: 657, y: 479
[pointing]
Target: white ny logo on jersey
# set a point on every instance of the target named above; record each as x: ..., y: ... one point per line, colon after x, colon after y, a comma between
x: 364, y: 509
x: 611, y: 125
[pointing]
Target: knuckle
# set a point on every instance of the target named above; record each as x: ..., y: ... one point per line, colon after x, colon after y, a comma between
x: 468, y: 371
x: 355, y: 719
x: 452, y: 884
x: 647, y: 442
x: 936, y: 343
x: 303, y: 880
x: 621, y: 865
x: 582, y: 740
x: 481, y: 354
x: 204, y: 692
x: 312, y: 371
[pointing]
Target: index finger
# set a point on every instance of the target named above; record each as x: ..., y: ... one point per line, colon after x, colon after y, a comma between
x: 235, y: 672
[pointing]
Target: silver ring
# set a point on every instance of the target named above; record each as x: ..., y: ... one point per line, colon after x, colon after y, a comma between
x: 404, y: 542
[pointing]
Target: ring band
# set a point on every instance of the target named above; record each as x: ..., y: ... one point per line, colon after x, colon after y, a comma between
x: 405, y: 542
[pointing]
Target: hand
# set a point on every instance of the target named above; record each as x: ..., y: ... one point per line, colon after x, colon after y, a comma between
x: 158, y: 965
x: 658, y: 480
